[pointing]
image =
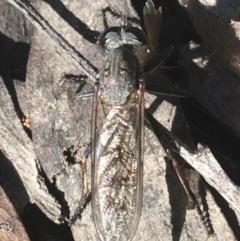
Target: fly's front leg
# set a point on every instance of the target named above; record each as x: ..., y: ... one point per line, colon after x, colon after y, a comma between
x: 86, y: 193
x: 68, y: 78
x: 84, y: 90
x: 192, y: 198
x: 76, y: 79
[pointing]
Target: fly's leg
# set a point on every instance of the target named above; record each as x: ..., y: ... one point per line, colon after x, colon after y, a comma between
x: 83, y: 91
x: 68, y: 78
x: 105, y: 23
x: 87, y: 153
x: 170, y: 145
x: 191, y: 197
x: 86, y: 193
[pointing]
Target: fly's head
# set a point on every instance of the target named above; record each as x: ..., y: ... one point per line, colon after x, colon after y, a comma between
x: 125, y: 35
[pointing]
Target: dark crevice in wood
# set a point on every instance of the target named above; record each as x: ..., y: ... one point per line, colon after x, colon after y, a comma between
x: 13, y: 65
x: 41, y: 228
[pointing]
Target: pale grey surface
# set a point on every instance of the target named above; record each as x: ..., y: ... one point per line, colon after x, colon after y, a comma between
x: 164, y: 201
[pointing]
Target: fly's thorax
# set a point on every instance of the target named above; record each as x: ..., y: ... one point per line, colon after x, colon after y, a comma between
x: 120, y: 75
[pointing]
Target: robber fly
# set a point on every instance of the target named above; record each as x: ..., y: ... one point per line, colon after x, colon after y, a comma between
x: 118, y: 128
x: 118, y: 124
x: 117, y: 135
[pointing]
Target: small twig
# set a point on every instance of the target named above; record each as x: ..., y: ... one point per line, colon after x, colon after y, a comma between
x: 205, y: 163
x: 32, y: 14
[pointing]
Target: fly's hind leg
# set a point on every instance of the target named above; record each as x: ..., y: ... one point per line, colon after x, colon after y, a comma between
x: 192, y: 198
x: 170, y: 145
x: 85, y: 191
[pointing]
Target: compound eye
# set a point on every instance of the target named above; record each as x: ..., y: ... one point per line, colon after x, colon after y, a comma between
x: 137, y: 34
x: 111, y: 33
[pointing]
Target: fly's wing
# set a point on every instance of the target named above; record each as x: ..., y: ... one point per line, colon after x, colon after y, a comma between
x: 152, y: 22
x: 117, y: 167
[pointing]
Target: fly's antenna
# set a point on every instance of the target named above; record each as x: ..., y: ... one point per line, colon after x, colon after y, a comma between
x: 115, y: 11
x: 124, y: 21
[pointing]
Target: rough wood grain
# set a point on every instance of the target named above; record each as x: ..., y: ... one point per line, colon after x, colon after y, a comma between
x: 61, y: 129
x: 19, y: 150
x: 11, y: 227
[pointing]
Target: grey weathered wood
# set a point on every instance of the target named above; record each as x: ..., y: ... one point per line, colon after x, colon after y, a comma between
x: 58, y: 124
x: 18, y: 148
x: 206, y: 164
x: 11, y: 227
x: 18, y: 167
